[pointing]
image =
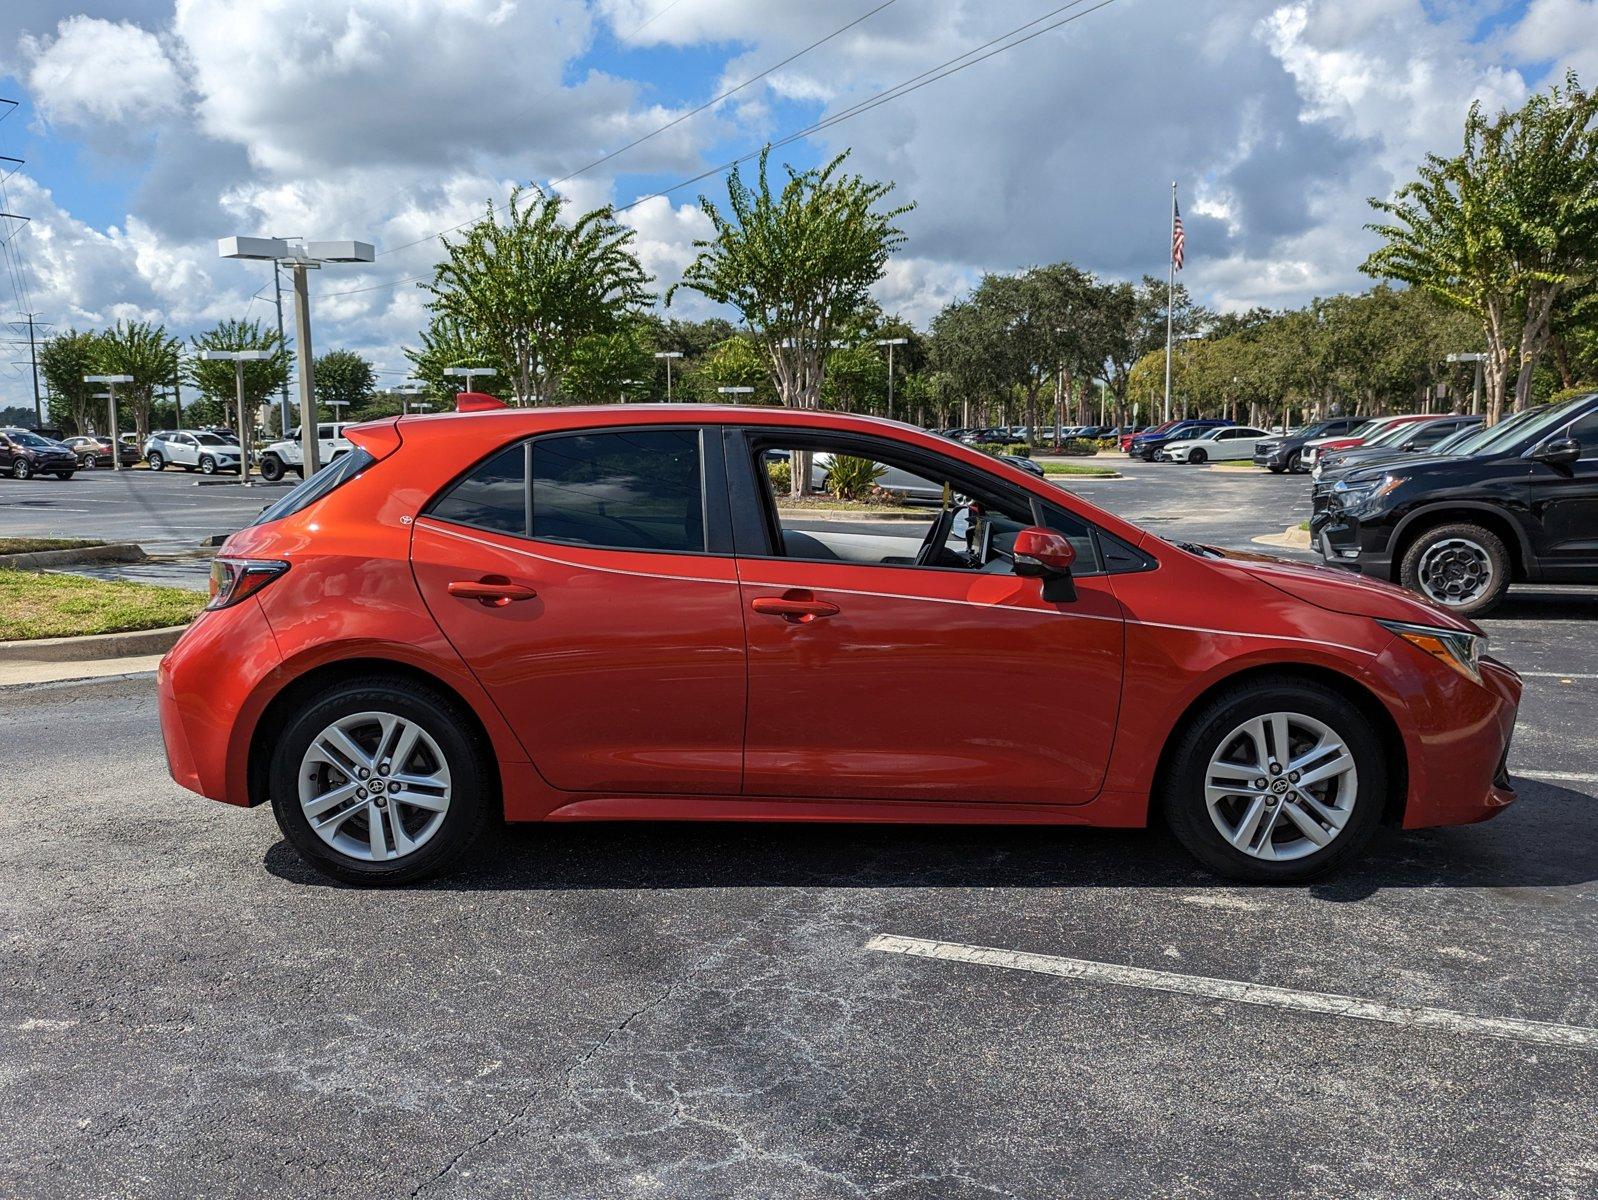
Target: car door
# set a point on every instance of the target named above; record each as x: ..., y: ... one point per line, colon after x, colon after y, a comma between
x: 914, y: 683
x: 1234, y: 443
x: 587, y: 581
x: 1564, y: 504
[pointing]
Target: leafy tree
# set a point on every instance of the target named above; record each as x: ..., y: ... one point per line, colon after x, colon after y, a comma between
x: 602, y: 365
x: 215, y: 379
x: 736, y: 363
x: 1134, y: 318
x: 63, y: 361
x: 144, y: 351
x: 797, y: 266
x: 530, y: 288
x: 1504, y: 228
x: 447, y: 342
x: 342, y: 375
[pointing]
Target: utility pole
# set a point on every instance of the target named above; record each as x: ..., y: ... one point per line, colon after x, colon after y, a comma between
x: 282, y: 343
x: 33, y: 358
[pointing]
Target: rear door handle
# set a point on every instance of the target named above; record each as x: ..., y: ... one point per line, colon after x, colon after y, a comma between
x: 796, y: 607
x: 491, y: 591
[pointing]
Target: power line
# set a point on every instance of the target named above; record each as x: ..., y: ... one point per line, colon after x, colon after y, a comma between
x: 915, y: 83
x: 691, y: 113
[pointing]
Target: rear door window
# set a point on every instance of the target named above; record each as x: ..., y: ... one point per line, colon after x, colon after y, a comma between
x: 635, y: 489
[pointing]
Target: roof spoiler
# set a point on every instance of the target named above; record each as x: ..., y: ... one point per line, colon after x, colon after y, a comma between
x: 466, y: 402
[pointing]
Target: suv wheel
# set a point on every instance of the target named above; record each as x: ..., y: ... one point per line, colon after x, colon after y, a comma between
x: 1295, y: 462
x: 21, y: 468
x: 156, y: 461
x: 381, y: 781
x: 207, y: 465
x: 1463, y: 567
x: 271, y: 468
x: 1276, y: 781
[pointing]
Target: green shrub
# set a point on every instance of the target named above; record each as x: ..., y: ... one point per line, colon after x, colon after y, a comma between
x: 850, y: 478
x: 781, y: 477
x: 1019, y: 449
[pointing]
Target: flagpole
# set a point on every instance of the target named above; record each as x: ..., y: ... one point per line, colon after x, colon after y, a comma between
x: 1170, y: 301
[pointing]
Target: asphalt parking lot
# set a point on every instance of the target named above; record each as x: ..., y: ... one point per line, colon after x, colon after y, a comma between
x: 668, y: 1011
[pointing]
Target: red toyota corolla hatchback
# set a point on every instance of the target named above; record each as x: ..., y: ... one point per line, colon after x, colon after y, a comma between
x: 578, y: 614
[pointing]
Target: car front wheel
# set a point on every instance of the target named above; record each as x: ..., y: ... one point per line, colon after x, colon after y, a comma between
x: 1197, y: 456
x: 1276, y: 781
x: 21, y: 468
x: 207, y: 465
x: 64, y: 474
x: 157, y: 463
x: 271, y: 468
x: 381, y: 781
x: 1463, y: 567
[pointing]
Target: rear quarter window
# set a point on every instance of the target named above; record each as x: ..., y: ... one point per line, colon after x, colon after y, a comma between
x: 343, y: 469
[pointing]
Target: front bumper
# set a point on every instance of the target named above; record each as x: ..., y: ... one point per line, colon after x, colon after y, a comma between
x: 1343, y: 540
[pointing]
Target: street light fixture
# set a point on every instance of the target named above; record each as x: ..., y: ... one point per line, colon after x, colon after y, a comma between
x: 407, y: 389
x: 736, y: 391
x: 668, y: 355
x: 111, y: 382
x: 470, y: 373
x: 238, y: 358
x: 890, y: 343
x: 300, y: 257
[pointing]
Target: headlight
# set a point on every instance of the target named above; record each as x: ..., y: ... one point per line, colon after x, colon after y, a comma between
x: 1454, y: 648
x: 1358, y: 495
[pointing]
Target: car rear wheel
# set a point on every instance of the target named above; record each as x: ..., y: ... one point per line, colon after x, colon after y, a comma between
x: 21, y: 468
x: 381, y: 781
x: 1463, y: 567
x: 157, y: 463
x: 1197, y: 456
x: 1276, y: 781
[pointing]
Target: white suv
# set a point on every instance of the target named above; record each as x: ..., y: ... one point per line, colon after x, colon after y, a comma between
x: 193, y: 450
x: 284, y: 456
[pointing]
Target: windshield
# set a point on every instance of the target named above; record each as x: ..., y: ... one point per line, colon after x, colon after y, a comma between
x: 1456, y: 442
x: 210, y: 439
x: 1391, y: 434
x: 31, y: 439
x: 1531, y: 424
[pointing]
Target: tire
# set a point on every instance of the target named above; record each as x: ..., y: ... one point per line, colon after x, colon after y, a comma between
x: 1197, y: 456
x: 1275, y: 470
x: 21, y: 468
x: 1464, y: 567
x: 448, y: 739
x: 157, y: 463
x: 86, y: 463
x: 207, y: 465
x: 65, y: 475
x: 271, y: 468
x: 1350, y: 803
x: 1295, y: 462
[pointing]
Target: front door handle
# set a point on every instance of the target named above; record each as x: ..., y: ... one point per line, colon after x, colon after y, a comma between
x: 797, y: 607
x: 491, y: 591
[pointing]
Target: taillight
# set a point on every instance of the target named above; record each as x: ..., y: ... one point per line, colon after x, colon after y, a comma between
x: 232, y: 579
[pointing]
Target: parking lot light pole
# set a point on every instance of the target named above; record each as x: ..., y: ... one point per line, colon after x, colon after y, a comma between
x: 735, y: 391
x: 668, y: 355
x: 111, y: 382
x: 469, y: 373
x: 238, y: 358
x: 890, y: 343
x: 301, y: 257
x: 1475, y: 392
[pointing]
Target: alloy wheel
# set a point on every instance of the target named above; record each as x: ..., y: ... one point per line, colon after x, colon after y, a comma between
x: 1281, y: 786
x: 21, y: 469
x: 374, y: 786
x: 1455, y: 571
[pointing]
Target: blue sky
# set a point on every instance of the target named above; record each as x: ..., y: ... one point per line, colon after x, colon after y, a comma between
x: 151, y: 127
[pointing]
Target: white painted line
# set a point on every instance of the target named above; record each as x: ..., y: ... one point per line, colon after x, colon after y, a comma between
x: 1325, y: 1003
x: 1558, y: 674
x: 1554, y: 776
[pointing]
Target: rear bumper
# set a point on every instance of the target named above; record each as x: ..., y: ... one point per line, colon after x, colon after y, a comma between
x: 204, y: 684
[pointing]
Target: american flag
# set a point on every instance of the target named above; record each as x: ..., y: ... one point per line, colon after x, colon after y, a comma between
x: 1178, y: 238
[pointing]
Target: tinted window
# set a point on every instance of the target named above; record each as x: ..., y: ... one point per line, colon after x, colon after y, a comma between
x: 493, y: 496
x: 210, y: 439
x: 1585, y: 431
x: 632, y: 490
x: 305, y: 494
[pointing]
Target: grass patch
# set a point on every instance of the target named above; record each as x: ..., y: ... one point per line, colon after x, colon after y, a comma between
x: 38, y: 605
x: 1304, y: 525
x: 1061, y: 468
x: 833, y: 504
x: 1234, y: 465
x: 32, y: 545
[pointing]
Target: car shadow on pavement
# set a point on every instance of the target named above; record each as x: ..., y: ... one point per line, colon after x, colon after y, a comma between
x: 1529, y: 603
x: 1512, y: 851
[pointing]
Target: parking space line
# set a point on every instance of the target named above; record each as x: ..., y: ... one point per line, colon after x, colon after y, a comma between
x: 1555, y: 776
x: 1325, y: 1003
x: 1558, y: 674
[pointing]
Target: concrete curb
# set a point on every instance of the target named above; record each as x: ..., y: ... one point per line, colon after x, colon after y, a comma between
x: 115, y: 552
x: 1082, y: 478
x: 1292, y: 537
x: 95, y: 646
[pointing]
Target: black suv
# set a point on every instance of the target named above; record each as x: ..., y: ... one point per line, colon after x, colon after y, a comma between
x: 1287, y: 453
x: 1522, y: 504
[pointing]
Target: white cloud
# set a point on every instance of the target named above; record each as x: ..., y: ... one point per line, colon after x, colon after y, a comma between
x: 1563, y: 32
x: 96, y: 71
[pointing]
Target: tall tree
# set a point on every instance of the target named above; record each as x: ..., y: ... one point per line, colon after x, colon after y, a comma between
x: 63, y: 361
x: 215, y: 379
x: 447, y: 342
x: 146, y: 352
x: 1504, y: 228
x: 531, y: 287
x: 605, y: 367
x: 797, y: 265
x: 344, y: 381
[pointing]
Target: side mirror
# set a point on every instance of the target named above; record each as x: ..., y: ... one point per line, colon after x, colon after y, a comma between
x: 1044, y: 554
x: 1560, y: 452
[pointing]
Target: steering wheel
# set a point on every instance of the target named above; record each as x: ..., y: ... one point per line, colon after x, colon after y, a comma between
x: 936, y: 537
